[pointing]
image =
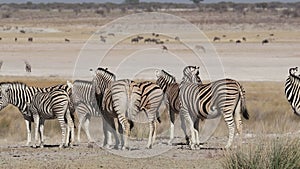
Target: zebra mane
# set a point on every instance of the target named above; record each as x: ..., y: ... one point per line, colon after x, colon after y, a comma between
x: 83, y: 81
x: 169, y: 75
x: 13, y: 83
x: 107, y: 72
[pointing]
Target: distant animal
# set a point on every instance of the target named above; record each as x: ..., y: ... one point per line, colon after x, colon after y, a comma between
x: 110, y: 34
x: 265, y: 41
x: 159, y: 42
x: 230, y: 40
x: 135, y: 40
x: 153, y: 34
x: 147, y: 40
x: 272, y: 34
x: 216, y: 38
x: 140, y: 37
x: 22, y: 31
x: 200, y: 47
x: 0, y: 38
x: 1, y: 63
x: 157, y: 35
x: 67, y: 40
x: 103, y: 38
x: 16, y: 39
x: 238, y: 41
x: 30, y: 39
x: 177, y: 38
x: 27, y: 67
x: 164, y: 48
x: 224, y: 36
x: 244, y: 39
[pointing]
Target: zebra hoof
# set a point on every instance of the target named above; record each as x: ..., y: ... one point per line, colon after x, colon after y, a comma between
x: 192, y: 147
x: 125, y: 148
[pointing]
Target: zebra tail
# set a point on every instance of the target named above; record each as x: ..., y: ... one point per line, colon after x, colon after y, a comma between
x: 131, y: 124
x: 243, y: 102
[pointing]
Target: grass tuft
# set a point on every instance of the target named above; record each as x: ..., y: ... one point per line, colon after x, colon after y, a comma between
x: 274, y: 154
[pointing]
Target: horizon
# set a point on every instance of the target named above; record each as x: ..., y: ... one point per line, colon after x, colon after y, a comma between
x: 162, y: 1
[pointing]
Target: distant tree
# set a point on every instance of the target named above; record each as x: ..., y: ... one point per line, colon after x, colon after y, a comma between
x: 197, y: 2
x: 131, y: 1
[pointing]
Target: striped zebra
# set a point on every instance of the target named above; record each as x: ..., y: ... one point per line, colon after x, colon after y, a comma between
x: 51, y: 105
x: 208, y: 101
x: 292, y: 86
x: 102, y: 87
x: 20, y: 94
x: 130, y: 97
x: 85, y: 104
x: 169, y: 86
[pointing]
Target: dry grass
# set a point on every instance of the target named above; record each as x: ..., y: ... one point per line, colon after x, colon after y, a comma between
x: 275, y: 154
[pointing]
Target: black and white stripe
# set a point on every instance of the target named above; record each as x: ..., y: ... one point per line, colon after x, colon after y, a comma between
x: 51, y: 105
x: 205, y: 101
x: 130, y: 97
x: 292, y: 87
x: 20, y: 94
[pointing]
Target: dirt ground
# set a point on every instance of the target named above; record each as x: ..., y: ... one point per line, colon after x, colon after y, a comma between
x: 53, y: 59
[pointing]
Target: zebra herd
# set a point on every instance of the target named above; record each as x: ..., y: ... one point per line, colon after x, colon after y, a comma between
x: 119, y: 101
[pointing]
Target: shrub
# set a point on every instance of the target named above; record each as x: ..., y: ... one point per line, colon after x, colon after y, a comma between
x: 276, y: 154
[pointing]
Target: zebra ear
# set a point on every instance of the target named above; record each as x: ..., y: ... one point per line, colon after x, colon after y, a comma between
x: 157, y: 73
x: 70, y: 85
x: 6, y: 87
x: 92, y: 72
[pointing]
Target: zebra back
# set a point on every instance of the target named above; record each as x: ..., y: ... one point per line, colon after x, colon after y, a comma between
x: 47, y: 103
x: 18, y: 93
x: 292, y: 86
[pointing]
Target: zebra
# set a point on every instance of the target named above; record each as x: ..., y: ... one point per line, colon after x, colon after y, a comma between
x: 130, y: 97
x: 85, y: 104
x: 292, y: 89
x: 102, y: 89
x: 207, y: 101
x: 169, y: 86
x: 51, y: 105
x: 20, y: 94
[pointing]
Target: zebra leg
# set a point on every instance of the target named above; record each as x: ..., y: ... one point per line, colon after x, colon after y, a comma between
x: 126, y: 127
x: 105, y: 132
x: 70, y: 129
x: 231, y: 127
x: 172, y: 120
x: 81, y: 120
x: 238, y: 118
x: 28, y: 128
x: 154, y: 133
x: 183, y: 127
x: 151, y: 133
x: 63, y: 131
x: 37, y: 131
x: 86, y: 129
x: 190, y: 125
x: 42, y: 122
x: 196, y: 130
